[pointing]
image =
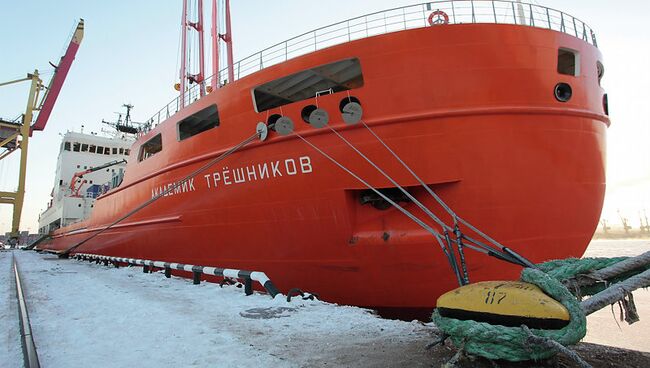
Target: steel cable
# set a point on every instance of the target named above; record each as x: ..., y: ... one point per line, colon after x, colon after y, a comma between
x: 169, y: 189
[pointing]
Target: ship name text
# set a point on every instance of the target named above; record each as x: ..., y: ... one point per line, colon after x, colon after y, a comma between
x: 262, y: 171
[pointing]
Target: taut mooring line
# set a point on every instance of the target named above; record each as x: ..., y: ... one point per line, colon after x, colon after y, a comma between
x: 520, y: 259
x: 417, y: 220
x: 66, y: 252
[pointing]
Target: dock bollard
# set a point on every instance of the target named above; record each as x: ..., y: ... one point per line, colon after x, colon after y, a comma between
x: 197, y: 277
x: 168, y: 272
x: 248, y: 285
x: 145, y: 269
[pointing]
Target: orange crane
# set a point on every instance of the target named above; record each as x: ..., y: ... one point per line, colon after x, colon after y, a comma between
x: 14, y: 135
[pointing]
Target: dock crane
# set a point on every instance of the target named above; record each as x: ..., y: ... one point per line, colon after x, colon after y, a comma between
x: 14, y: 135
x: 76, y: 182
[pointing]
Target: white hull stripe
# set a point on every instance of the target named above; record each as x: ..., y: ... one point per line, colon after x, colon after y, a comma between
x: 216, y: 271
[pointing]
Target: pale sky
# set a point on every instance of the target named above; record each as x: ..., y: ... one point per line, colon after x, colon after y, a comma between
x: 130, y: 54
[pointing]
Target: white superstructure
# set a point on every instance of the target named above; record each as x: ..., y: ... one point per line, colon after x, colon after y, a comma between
x: 81, y: 152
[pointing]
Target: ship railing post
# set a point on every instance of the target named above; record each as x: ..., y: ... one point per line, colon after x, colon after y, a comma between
x: 575, y: 27
x: 494, y: 12
x: 453, y: 12
x: 366, y: 21
x: 548, y: 18
x: 531, y: 16
x: 473, y: 12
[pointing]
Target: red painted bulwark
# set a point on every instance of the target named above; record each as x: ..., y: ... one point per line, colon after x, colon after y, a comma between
x: 470, y: 108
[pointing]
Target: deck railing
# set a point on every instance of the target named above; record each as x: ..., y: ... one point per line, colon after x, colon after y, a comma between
x: 387, y: 21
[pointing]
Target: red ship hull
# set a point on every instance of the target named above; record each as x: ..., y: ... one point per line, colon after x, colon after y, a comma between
x: 470, y: 108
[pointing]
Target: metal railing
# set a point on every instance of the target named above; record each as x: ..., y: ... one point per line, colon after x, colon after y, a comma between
x: 387, y: 21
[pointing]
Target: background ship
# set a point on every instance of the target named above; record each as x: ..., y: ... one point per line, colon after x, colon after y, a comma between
x: 496, y: 105
x: 88, y: 165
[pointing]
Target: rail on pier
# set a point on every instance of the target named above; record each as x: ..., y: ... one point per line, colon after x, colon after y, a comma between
x: 247, y: 276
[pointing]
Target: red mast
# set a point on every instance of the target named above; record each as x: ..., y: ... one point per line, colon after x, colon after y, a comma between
x: 183, y: 72
x: 228, y: 40
x: 214, y: 83
x: 185, y: 75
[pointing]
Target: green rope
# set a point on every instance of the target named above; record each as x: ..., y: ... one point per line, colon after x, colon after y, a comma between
x: 509, y: 343
x: 513, y: 343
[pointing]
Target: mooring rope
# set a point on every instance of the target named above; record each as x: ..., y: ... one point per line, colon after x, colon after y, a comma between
x: 519, y: 344
x: 417, y: 220
x: 444, y: 205
x: 169, y: 189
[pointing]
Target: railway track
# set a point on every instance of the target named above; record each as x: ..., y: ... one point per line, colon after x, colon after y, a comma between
x: 30, y: 354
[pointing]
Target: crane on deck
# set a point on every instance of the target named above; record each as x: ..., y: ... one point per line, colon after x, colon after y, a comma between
x: 14, y: 135
x: 76, y: 182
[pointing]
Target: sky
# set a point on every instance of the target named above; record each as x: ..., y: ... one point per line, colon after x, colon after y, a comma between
x: 130, y: 55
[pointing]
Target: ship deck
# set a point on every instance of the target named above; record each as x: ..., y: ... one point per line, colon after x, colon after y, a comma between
x: 383, y: 22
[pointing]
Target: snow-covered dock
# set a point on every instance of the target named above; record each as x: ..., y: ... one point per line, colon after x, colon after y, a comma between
x: 87, y: 314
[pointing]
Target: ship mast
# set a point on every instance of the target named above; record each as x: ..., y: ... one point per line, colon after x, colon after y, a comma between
x: 193, y: 25
x: 217, y: 38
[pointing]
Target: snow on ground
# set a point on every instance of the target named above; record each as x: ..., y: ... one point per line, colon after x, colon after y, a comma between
x: 86, y: 314
x: 10, y: 349
x: 602, y: 326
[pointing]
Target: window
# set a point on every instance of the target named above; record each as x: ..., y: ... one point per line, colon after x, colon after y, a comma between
x: 66, y: 146
x: 107, y: 150
x: 84, y: 148
x: 127, y: 151
x: 114, y: 151
x: 600, y: 69
x: 568, y: 62
x: 330, y: 78
x: 76, y: 146
x: 92, y: 148
x: 121, y: 151
x: 151, y: 147
x: 203, y: 120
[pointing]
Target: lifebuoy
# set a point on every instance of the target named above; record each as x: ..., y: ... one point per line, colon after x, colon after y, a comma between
x: 438, y: 17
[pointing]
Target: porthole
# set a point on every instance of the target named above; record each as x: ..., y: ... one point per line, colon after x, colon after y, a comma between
x: 306, y: 111
x: 563, y: 92
x: 346, y: 101
x: 272, y: 119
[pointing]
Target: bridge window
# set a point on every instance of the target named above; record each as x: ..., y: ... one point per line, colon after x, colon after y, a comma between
x: 84, y: 148
x: 330, y: 78
x: 66, y: 146
x: 568, y: 62
x: 203, y: 120
x: 92, y: 148
x: 76, y: 146
x: 151, y: 147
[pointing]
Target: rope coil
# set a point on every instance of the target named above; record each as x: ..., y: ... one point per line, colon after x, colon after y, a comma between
x: 556, y: 278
